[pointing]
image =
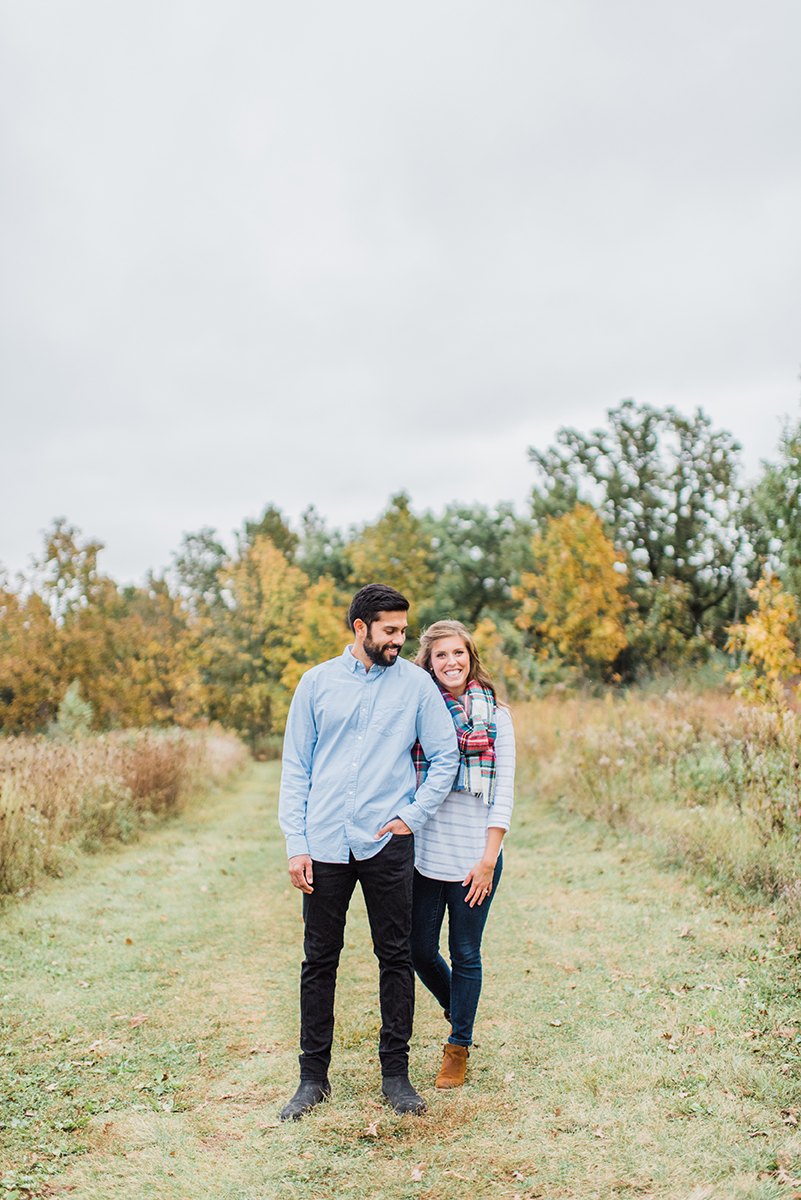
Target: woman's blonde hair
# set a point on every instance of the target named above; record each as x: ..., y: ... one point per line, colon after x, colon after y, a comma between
x: 443, y: 629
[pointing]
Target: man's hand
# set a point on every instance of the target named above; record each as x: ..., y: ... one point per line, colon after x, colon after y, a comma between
x: 300, y: 872
x: 396, y: 826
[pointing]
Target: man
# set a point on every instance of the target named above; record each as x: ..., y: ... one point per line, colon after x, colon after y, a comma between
x: 348, y: 810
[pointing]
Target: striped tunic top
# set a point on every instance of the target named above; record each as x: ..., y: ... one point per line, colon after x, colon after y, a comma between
x: 454, y: 839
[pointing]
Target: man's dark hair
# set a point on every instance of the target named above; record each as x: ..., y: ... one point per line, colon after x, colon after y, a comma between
x: 372, y: 600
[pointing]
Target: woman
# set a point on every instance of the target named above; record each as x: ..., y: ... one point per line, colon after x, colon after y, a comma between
x: 458, y: 859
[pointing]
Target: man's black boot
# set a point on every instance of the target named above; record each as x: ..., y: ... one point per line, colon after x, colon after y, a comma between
x: 309, y: 1093
x: 401, y: 1094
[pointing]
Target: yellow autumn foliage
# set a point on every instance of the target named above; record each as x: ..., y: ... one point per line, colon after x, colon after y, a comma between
x: 766, y: 641
x: 573, y: 603
x: 321, y: 634
x: 396, y: 551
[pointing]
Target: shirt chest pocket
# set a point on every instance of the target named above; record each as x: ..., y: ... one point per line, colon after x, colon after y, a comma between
x: 388, y: 723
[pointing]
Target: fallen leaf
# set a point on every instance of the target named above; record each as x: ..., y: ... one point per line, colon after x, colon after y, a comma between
x: 702, y: 1029
x: 517, y: 1175
x: 508, y: 1077
x: 372, y: 1129
x: 556, y: 1023
x: 129, y: 941
x: 417, y: 1172
x: 599, y: 1133
x: 307, y: 1154
x: 82, y: 983
x: 51, y: 1087
x: 138, y: 1019
x: 684, y: 931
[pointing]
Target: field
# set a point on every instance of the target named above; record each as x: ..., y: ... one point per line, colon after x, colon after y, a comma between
x: 638, y: 1033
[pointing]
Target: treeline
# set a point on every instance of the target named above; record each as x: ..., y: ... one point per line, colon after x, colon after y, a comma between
x: 641, y: 552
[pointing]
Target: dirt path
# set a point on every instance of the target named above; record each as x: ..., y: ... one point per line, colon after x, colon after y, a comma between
x: 636, y: 1038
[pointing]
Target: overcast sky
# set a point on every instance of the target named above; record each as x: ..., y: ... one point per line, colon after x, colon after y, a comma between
x: 315, y: 252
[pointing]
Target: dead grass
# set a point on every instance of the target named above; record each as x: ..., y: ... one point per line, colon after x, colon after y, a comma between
x: 710, y: 784
x: 636, y: 1037
x: 58, y: 797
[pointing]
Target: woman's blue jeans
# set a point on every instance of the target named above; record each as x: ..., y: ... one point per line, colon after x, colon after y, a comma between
x: 457, y: 987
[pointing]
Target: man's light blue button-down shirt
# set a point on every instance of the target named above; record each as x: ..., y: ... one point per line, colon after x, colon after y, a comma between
x: 347, y: 765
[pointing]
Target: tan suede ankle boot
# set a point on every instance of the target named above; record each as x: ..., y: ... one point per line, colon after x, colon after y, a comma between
x: 454, y: 1064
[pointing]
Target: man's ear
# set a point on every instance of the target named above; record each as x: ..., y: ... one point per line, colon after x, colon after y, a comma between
x: 359, y: 627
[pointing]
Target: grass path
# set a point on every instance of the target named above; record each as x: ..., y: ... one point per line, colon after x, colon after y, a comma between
x: 635, y: 1038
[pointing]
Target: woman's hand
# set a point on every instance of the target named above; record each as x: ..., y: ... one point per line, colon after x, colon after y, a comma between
x: 479, y: 882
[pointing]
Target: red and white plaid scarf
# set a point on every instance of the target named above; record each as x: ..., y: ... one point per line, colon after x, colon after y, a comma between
x: 474, y: 717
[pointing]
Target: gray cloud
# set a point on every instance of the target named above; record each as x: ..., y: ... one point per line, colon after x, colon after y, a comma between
x: 317, y: 253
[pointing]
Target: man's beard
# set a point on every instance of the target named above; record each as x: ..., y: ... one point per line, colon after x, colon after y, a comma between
x: 378, y: 654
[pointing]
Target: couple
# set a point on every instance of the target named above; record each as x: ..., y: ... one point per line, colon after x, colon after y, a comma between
x: 402, y: 779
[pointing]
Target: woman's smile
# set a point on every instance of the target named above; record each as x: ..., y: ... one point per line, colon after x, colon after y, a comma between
x: 450, y: 662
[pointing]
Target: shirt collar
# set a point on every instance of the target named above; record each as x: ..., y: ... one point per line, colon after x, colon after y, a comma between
x: 355, y: 664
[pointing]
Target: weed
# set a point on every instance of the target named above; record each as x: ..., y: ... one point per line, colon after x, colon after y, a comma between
x: 715, y: 786
x: 59, y: 796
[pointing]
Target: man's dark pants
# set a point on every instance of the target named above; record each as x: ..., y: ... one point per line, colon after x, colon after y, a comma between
x: 386, y: 881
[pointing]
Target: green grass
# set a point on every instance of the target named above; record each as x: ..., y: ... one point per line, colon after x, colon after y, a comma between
x: 635, y: 1038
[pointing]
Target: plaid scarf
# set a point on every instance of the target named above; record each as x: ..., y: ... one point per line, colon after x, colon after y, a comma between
x: 474, y: 717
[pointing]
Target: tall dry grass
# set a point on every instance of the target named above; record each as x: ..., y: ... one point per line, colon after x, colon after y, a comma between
x: 59, y: 797
x: 716, y: 785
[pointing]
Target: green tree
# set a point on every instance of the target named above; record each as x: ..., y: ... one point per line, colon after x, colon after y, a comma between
x: 322, y: 551
x: 478, y: 555
x: 667, y: 489
x: 777, y: 509
x: 196, y: 568
x: 272, y: 525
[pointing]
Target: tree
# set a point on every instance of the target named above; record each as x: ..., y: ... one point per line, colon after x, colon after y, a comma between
x: 777, y: 504
x: 767, y: 640
x: 666, y: 487
x: 397, y: 551
x: 197, y: 566
x: 572, y: 603
x: 32, y: 681
x: 478, y: 555
x: 322, y: 551
x: 248, y: 644
x: 129, y: 649
x: 322, y: 632
x: 271, y: 525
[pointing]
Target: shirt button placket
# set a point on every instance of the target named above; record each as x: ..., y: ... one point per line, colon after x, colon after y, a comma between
x: 354, y: 767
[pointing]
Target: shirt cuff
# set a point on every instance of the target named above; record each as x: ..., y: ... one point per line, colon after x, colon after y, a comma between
x: 411, y: 816
x: 296, y: 844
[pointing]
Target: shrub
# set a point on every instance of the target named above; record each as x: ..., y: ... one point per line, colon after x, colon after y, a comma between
x: 714, y: 784
x: 57, y: 796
